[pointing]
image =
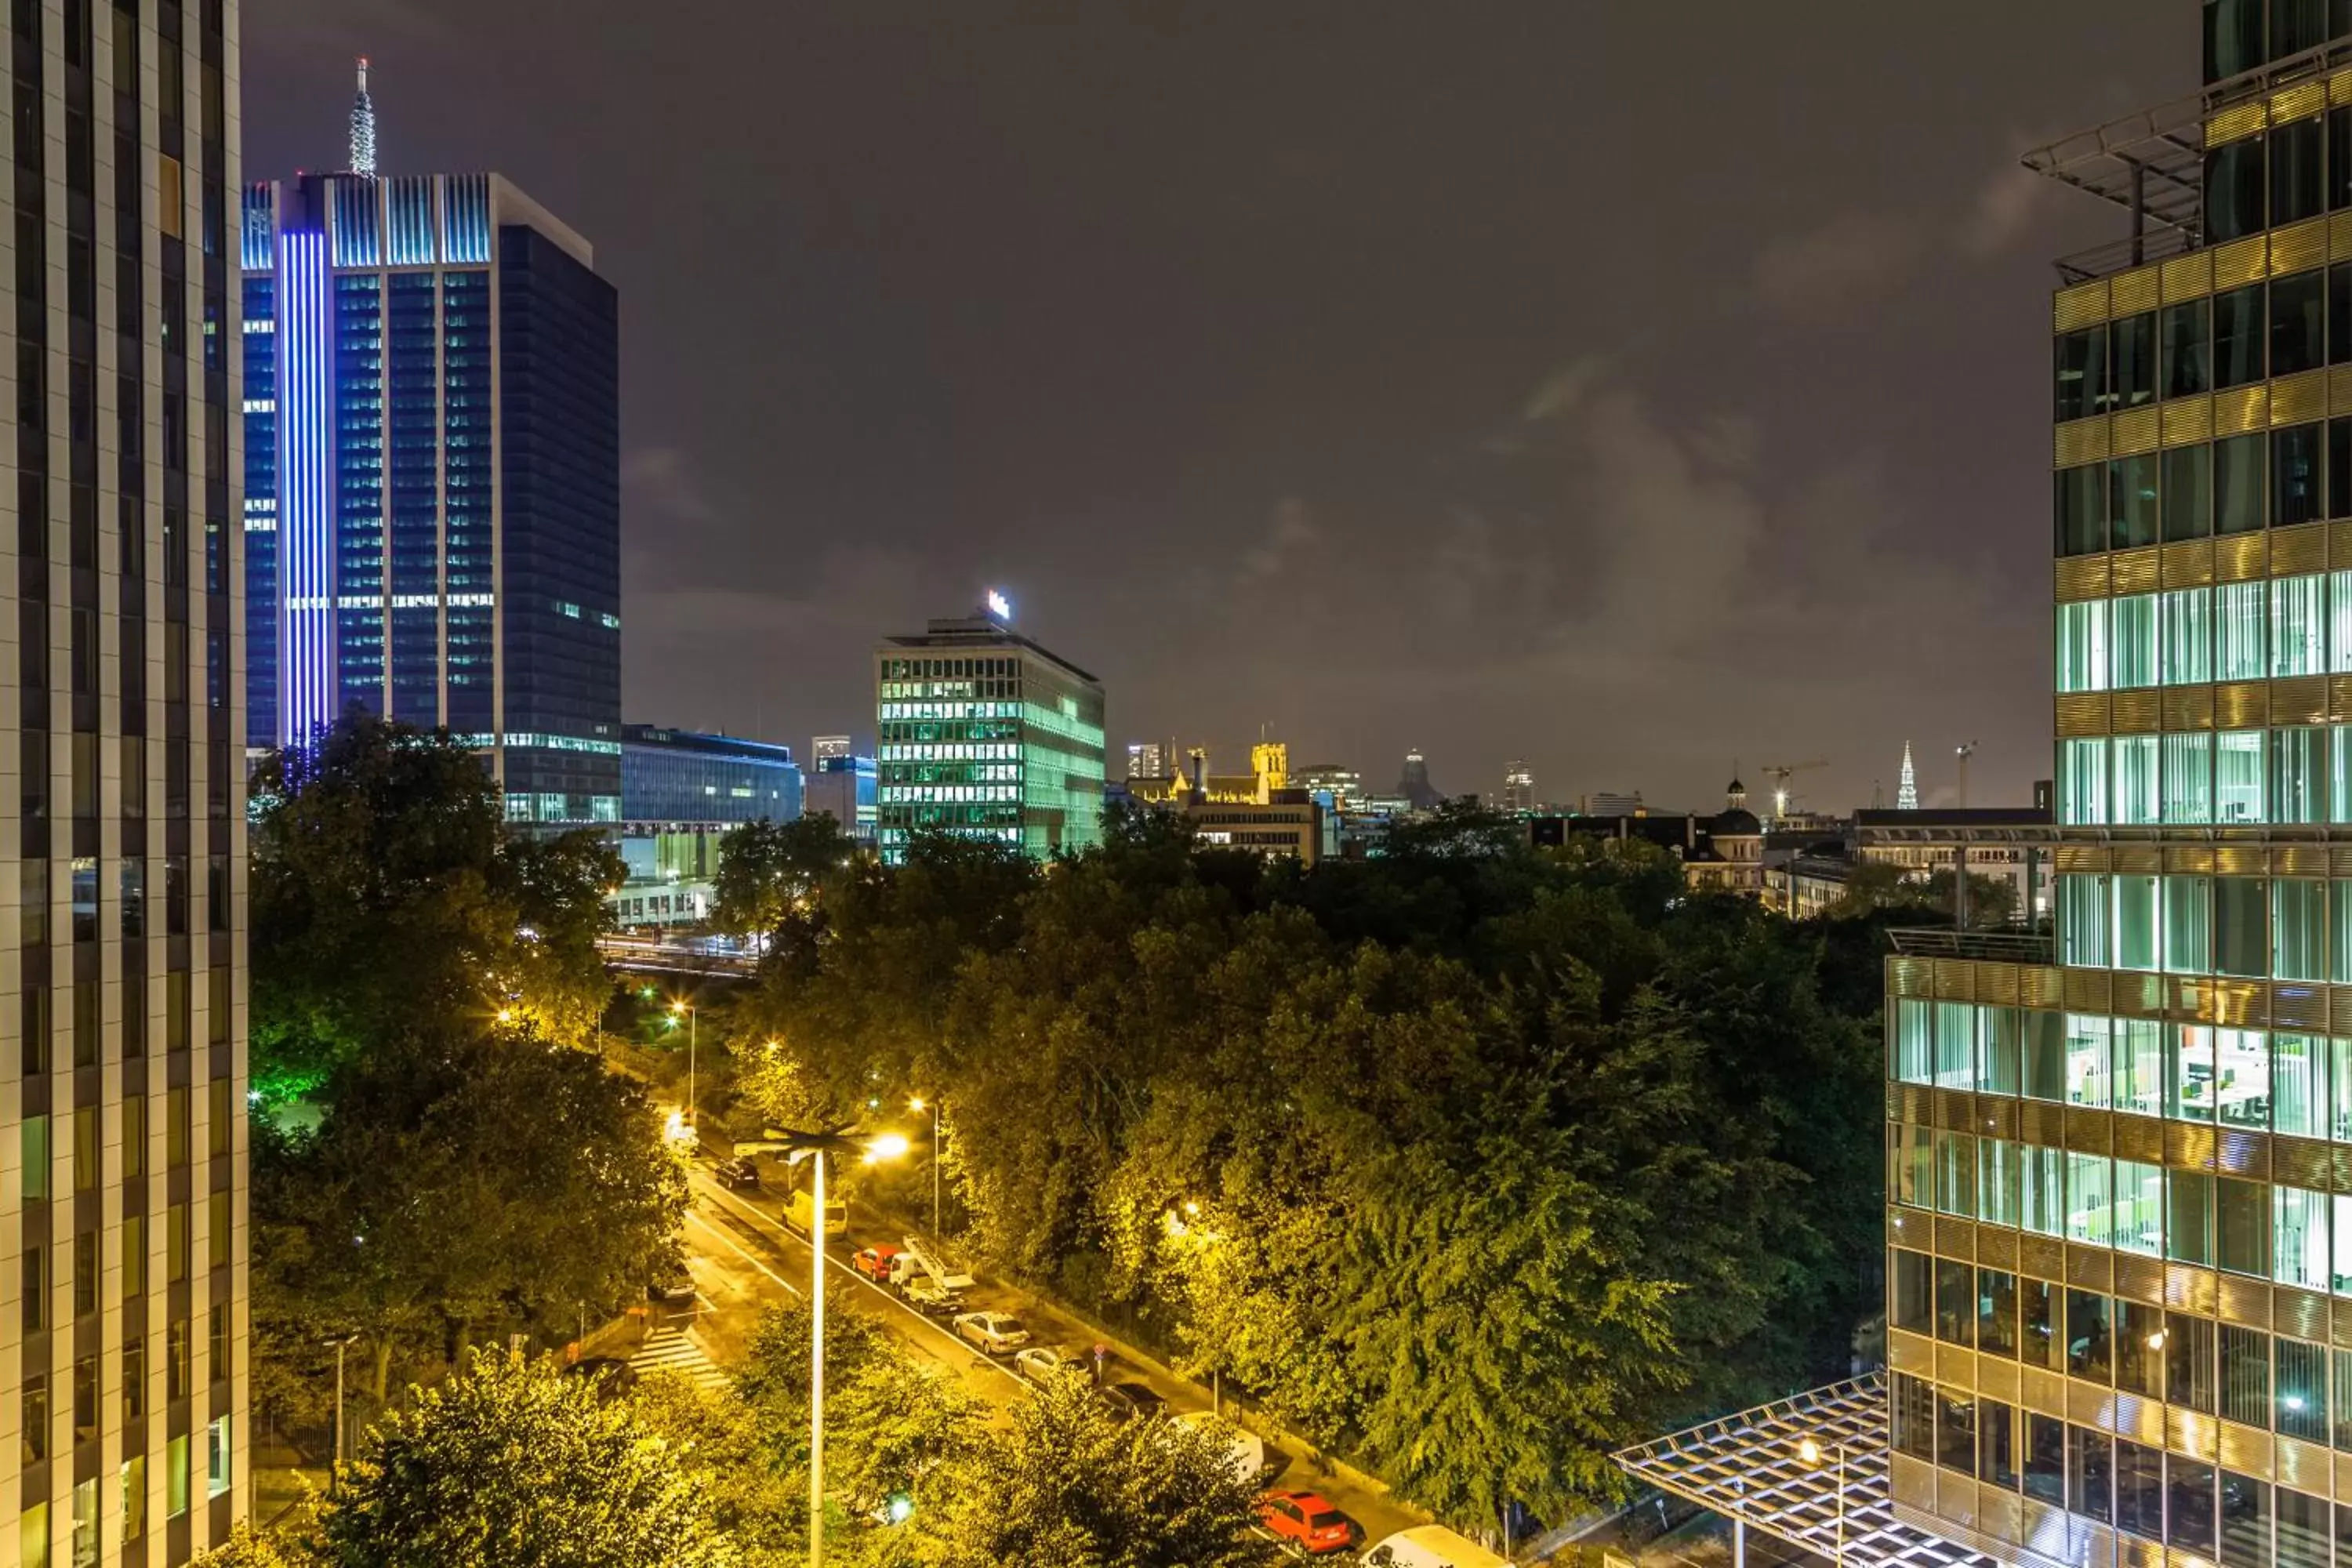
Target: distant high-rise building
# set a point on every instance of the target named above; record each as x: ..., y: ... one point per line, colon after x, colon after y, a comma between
x: 986, y: 733
x: 1415, y: 787
x: 1334, y: 788
x: 842, y: 784
x: 125, y: 1340
x: 1518, y: 788
x: 1906, y: 789
x: 1613, y: 803
x: 1152, y: 759
x: 431, y: 467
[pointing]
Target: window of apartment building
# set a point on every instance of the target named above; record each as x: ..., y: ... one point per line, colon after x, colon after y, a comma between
x: 2085, y: 661
x: 2080, y: 509
x: 2241, y: 329
x: 2136, y: 639
x: 2234, y: 181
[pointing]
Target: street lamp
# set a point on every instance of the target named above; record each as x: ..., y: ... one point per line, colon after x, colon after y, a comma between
x: 813, y: 1146
x: 335, y: 1477
x: 1811, y: 1452
x: 693, y: 1028
x: 917, y: 1107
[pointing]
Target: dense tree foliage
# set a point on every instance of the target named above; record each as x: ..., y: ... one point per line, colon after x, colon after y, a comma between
x: 1067, y: 1484
x: 1475, y: 1160
x: 385, y: 889
x: 767, y: 870
x: 465, y: 1183
x: 512, y: 1465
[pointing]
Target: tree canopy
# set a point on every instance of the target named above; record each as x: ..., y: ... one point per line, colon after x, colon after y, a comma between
x: 767, y: 870
x: 464, y: 1181
x: 513, y: 1466
x: 1068, y: 1484
x: 385, y: 888
x: 1476, y: 1160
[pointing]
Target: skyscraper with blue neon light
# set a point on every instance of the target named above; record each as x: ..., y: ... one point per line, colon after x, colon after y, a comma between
x: 432, y: 514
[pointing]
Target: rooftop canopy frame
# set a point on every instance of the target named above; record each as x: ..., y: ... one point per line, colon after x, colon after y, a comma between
x: 1754, y: 1469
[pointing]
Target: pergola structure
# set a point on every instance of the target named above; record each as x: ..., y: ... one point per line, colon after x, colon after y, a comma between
x: 1811, y: 1471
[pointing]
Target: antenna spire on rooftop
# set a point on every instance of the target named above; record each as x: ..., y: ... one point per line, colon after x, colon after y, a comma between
x: 363, y: 127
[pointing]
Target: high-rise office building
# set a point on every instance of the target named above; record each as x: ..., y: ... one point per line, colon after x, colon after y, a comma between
x: 1518, y: 788
x: 1414, y: 788
x: 2119, y: 1168
x: 431, y: 467
x: 1152, y: 759
x: 987, y: 734
x: 123, y: 1331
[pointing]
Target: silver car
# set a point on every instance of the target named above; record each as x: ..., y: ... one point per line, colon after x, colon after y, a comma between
x: 998, y: 1334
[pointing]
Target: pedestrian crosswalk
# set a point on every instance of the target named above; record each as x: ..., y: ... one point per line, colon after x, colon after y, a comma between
x: 671, y: 1349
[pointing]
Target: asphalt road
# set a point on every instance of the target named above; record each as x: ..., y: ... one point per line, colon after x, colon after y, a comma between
x: 744, y: 1259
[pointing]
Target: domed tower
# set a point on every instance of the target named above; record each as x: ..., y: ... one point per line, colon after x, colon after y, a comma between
x: 1739, y: 837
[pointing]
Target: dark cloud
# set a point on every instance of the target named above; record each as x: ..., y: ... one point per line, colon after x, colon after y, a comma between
x: 1631, y: 389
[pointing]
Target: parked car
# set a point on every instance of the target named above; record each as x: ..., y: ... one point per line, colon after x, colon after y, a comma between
x: 736, y: 1172
x: 1041, y: 1364
x: 1245, y: 1450
x: 1430, y: 1546
x: 998, y: 1334
x: 798, y: 1214
x: 1308, y: 1521
x: 1134, y: 1401
x: 612, y: 1376
x: 674, y: 1288
x: 925, y: 1294
x: 875, y: 1262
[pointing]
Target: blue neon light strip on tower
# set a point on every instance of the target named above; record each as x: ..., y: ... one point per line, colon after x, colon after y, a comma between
x: 306, y: 470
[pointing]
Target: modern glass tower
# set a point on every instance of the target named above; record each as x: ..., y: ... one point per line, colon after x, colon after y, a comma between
x: 432, y: 508
x: 2119, y: 1161
x: 122, y: 1137
x: 987, y: 734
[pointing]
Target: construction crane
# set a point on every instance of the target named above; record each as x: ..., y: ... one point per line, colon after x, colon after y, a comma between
x: 1779, y: 777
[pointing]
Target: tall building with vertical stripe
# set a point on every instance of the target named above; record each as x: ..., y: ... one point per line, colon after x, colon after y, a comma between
x: 432, y: 512
x: 122, y: 1140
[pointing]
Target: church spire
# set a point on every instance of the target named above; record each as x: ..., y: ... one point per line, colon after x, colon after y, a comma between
x: 363, y: 127
x: 1906, y: 792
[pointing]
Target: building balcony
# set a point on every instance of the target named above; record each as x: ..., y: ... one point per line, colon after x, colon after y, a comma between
x: 2015, y: 945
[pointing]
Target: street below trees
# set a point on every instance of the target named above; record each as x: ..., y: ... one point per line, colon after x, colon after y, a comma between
x: 744, y: 1261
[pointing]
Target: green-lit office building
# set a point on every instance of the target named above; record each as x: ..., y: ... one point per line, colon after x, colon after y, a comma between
x: 984, y: 734
x: 2119, y: 1157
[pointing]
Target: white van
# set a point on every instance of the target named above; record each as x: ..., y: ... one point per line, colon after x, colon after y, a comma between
x: 1248, y: 1451
x: 1430, y: 1546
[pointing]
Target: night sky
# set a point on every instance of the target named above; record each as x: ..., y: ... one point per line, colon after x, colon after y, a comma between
x: 1630, y: 388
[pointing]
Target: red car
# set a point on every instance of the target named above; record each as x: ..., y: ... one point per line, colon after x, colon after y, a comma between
x: 1307, y: 1518
x: 874, y: 1262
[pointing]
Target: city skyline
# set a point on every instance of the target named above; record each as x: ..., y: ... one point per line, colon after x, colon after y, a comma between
x: 1380, y: 519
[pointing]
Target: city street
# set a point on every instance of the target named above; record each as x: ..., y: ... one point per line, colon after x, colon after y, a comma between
x: 744, y: 1259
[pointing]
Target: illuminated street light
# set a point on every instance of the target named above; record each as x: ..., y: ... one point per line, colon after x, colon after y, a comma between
x: 813, y: 1146
x: 506, y: 1014
x: 918, y: 1105
x: 677, y: 1010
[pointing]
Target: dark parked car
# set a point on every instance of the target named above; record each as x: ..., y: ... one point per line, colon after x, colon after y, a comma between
x: 613, y: 1376
x: 737, y: 1172
x: 1133, y: 1401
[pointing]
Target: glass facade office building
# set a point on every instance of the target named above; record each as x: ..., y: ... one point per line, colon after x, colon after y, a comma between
x: 432, y: 510
x: 680, y: 776
x: 2120, y: 1173
x: 986, y: 734
x: 123, y: 1327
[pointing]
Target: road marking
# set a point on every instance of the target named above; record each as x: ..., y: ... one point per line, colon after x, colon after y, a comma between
x: 729, y: 1202
x: 669, y: 1349
x: 736, y: 1248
